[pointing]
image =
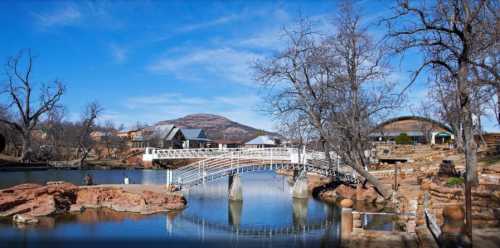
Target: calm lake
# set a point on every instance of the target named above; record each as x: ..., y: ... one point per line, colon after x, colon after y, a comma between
x: 268, y: 216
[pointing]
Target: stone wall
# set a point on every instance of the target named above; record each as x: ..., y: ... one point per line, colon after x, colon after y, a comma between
x: 485, y: 200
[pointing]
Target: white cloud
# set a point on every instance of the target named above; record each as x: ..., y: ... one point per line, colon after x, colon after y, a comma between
x: 216, y: 22
x: 224, y: 63
x: 81, y: 14
x: 66, y: 15
x: 119, y: 53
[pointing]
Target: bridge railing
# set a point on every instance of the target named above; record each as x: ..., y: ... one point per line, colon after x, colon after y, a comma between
x: 217, y: 162
x: 155, y: 153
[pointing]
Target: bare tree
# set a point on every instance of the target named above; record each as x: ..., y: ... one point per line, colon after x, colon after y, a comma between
x: 89, y: 116
x: 109, y: 138
x: 444, y: 94
x: 453, y: 35
x: 298, y: 131
x: 27, y: 102
x: 337, y: 82
x: 12, y: 138
x: 53, y: 126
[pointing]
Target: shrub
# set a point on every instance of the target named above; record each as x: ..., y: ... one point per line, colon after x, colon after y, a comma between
x: 453, y: 181
x: 403, y: 139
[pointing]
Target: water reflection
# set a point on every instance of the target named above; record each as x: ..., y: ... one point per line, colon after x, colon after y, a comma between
x: 299, y: 212
x: 234, y: 213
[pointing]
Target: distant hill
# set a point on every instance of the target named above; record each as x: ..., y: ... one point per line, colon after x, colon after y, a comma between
x: 217, y: 127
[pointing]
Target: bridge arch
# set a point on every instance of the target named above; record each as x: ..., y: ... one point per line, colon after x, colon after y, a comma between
x: 199, y: 178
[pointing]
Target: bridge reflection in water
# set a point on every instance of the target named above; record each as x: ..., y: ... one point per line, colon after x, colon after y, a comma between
x: 301, y: 225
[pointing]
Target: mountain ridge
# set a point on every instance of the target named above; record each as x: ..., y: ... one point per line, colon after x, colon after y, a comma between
x: 217, y: 127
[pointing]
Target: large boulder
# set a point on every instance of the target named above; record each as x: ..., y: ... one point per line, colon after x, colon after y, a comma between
x: 118, y: 199
x: 368, y: 194
x: 37, y: 200
x: 345, y: 191
x: 346, y: 203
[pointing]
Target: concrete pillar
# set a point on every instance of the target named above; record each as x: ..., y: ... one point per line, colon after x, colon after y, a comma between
x: 234, y: 188
x: 234, y: 213
x: 299, y: 189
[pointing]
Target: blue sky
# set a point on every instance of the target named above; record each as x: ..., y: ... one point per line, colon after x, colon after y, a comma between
x: 154, y: 60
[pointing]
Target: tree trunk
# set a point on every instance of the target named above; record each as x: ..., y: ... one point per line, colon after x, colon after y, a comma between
x: 459, y: 139
x: 470, y: 172
x: 84, y: 157
x: 359, y: 167
x: 469, y: 146
x: 26, y: 154
x: 327, y: 153
x: 498, y: 103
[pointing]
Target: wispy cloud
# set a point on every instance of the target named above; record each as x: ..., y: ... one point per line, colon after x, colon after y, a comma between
x: 216, y: 22
x: 82, y: 14
x: 119, y: 53
x: 65, y: 15
x: 223, y: 63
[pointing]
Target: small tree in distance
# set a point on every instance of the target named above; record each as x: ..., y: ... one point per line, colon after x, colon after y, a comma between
x: 403, y: 139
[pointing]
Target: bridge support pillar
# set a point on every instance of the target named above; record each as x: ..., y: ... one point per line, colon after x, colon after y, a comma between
x: 299, y: 217
x: 299, y: 189
x: 234, y: 213
x: 234, y: 188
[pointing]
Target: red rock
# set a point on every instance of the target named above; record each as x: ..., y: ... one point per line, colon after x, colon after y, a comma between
x: 345, y: 191
x: 368, y: 194
x: 59, y: 197
x: 120, y: 200
x: 454, y: 212
x: 37, y: 200
x: 346, y: 203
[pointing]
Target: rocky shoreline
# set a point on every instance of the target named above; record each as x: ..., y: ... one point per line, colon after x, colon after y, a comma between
x: 320, y: 188
x: 24, y: 203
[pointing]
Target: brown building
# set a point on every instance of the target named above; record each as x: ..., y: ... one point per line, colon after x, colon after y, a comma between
x: 420, y: 130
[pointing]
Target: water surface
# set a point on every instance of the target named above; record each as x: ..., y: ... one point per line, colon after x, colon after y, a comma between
x: 268, y: 216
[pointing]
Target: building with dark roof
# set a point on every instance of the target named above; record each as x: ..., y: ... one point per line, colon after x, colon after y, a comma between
x: 194, y: 138
x: 165, y: 136
x: 419, y: 129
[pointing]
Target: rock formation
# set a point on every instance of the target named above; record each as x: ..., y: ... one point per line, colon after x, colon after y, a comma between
x: 358, y: 193
x: 37, y: 200
x: 118, y: 199
x: 26, y: 202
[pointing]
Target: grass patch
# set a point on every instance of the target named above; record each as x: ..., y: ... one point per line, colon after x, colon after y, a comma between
x: 454, y: 181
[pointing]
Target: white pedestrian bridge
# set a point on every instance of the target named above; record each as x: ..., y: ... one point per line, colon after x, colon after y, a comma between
x: 214, y: 163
